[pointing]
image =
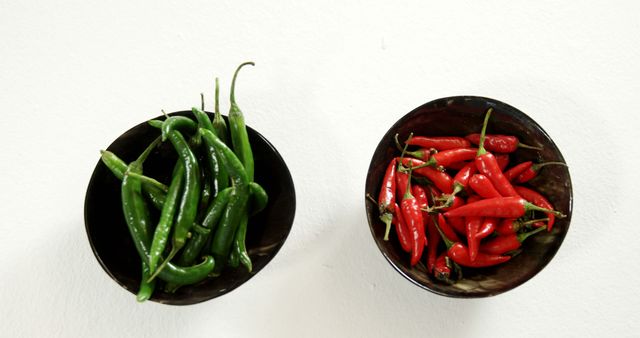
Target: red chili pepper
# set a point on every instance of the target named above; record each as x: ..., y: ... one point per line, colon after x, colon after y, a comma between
x: 472, y: 226
x: 540, y: 201
x: 457, y: 165
x: 460, y: 254
x: 447, y: 157
x: 483, y: 187
x: 439, y: 143
x: 432, y: 248
x: 503, y: 161
x: 500, y: 143
x: 441, y: 180
x: 504, y: 244
x: 488, y: 226
x: 421, y: 197
x: 387, y: 197
x: 401, y: 230
x: 533, y: 170
x: 516, y: 170
x: 402, y: 179
x: 446, y: 229
x: 440, y: 269
x: 488, y: 166
x: 461, y: 180
x: 511, y: 226
x: 413, y: 218
x: 502, y: 207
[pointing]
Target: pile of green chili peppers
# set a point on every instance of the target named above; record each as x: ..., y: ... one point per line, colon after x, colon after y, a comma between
x: 205, y: 208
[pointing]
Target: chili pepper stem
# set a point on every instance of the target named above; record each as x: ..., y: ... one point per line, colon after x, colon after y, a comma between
x: 533, y: 221
x: 233, y: 82
x: 217, y: 95
x: 371, y: 199
x: 387, y: 218
x: 526, y: 146
x: 523, y: 236
x: 531, y: 206
x: 446, y: 240
x: 173, y: 252
x: 537, y: 166
x: 481, y: 150
x: 149, y: 180
x: 202, y: 101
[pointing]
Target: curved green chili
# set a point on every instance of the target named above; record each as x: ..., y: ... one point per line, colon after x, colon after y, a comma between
x: 167, y: 214
x: 136, y: 218
x: 239, y: 136
x: 239, y: 246
x: 188, y: 209
x: 220, y: 129
x: 214, y: 212
x: 146, y: 288
x: 225, y: 232
x: 259, y: 198
x: 176, y: 123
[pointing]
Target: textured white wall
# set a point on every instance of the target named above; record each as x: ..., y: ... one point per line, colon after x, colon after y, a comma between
x: 331, y: 77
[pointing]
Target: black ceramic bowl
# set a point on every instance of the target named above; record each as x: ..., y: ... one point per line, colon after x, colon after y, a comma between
x: 112, y: 244
x: 459, y: 116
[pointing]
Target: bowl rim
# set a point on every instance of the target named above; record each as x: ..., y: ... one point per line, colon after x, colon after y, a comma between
x: 287, y: 175
x: 489, y: 102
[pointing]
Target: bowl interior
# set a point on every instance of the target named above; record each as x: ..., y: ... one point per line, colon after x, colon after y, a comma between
x: 112, y: 244
x: 459, y: 116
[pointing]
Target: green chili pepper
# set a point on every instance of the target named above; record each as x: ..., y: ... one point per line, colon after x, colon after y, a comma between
x: 167, y: 214
x: 188, y: 209
x: 146, y: 288
x: 176, y: 123
x: 239, y: 136
x: 234, y: 259
x: 214, y: 212
x: 259, y: 198
x: 225, y: 232
x: 135, y: 218
x: 220, y: 129
x: 239, y: 246
x: 210, y: 157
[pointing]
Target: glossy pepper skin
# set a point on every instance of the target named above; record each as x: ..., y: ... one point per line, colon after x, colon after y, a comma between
x: 439, y: 143
x: 483, y: 186
x: 440, y: 269
x: 503, y: 161
x: 516, y: 170
x: 532, y: 171
x: 432, y: 237
x: 502, y: 207
x: 540, y: 201
x: 489, y: 224
x: 503, y: 244
x: 387, y: 197
x: 412, y: 215
x: 460, y: 254
x: 406, y: 242
x: 441, y: 180
x: 472, y: 226
x: 446, y: 157
x: 488, y: 166
x: 500, y: 143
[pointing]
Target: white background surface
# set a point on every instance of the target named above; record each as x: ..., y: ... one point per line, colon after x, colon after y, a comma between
x: 330, y: 79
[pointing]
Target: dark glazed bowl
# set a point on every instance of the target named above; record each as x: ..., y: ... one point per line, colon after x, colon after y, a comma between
x: 112, y: 244
x: 459, y: 116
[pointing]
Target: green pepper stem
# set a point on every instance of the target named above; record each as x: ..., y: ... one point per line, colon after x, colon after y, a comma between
x: 531, y: 206
x: 526, y: 146
x: 523, y: 236
x: 387, y: 218
x: 150, y: 180
x: 407, y: 192
x: 481, y: 150
x: 174, y: 251
x: 446, y: 239
x: 202, y: 101
x: 533, y: 221
x: 537, y: 166
x: 233, y: 83
x: 216, y: 101
x: 143, y: 157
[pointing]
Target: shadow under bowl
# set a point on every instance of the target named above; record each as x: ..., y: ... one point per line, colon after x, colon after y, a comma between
x: 460, y: 116
x: 112, y: 244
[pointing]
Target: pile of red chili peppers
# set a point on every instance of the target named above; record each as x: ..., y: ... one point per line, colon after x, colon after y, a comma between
x: 454, y: 197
